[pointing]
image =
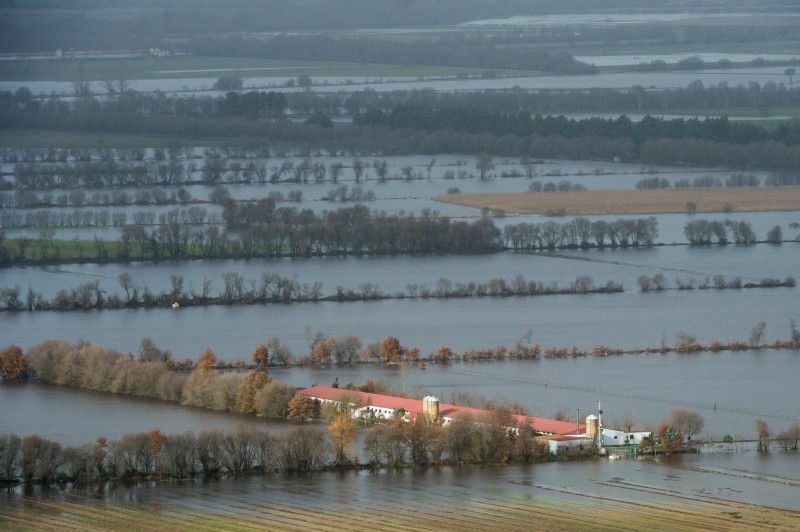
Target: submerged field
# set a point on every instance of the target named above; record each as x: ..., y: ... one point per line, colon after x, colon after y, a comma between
x: 664, y: 201
x: 492, y: 513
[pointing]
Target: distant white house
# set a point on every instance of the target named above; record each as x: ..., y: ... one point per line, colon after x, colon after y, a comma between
x: 612, y: 438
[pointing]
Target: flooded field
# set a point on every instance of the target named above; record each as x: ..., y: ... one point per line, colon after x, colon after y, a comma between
x: 629, y: 494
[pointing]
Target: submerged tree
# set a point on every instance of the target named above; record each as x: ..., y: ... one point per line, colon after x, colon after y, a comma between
x: 762, y: 434
x: 12, y: 363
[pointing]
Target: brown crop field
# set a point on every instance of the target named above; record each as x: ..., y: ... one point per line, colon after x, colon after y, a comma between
x: 661, y: 201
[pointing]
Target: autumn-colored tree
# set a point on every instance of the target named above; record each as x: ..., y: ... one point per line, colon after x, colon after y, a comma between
x: 273, y: 398
x: 245, y: 395
x: 342, y: 431
x: 12, y: 363
x: 670, y: 436
x: 442, y: 355
x: 260, y: 355
x: 157, y: 440
x: 646, y: 445
x: 207, y: 360
x: 686, y: 422
x: 323, y: 350
x: 391, y: 350
x: 99, y: 455
x: 302, y: 407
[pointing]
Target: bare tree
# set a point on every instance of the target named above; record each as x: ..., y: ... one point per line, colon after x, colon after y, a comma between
x: 762, y: 434
x: 757, y: 334
x: 686, y: 422
x: 484, y: 164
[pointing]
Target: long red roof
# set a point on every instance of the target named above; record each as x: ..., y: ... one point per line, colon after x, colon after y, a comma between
x: 539, y: 424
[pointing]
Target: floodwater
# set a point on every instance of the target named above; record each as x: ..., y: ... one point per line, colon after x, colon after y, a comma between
x: 74, y: 417
x: 728, y: 389
x: 743, y: 477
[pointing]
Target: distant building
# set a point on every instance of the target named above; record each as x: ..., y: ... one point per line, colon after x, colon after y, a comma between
x: 377, y: 406
x: 559, y: 444
x: 613, y: 438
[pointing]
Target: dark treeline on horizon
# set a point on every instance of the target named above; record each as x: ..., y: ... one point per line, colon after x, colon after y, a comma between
x: 477, y: 121
x: 97, y: 24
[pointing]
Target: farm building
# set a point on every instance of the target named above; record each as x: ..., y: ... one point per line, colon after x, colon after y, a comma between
x: 377, y: 406
x: 613, y: 437
x: 559, y: 444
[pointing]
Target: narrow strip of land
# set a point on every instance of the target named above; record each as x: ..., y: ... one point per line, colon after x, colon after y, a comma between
x: 661, y: 201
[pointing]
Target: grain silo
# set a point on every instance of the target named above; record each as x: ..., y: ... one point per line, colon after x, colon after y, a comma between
x: 592, y: 425
x: 430, y: 409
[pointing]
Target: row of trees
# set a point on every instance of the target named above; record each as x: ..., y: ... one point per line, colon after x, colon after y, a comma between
x: 706, y: 232
x: 155, y: 455
x: 154, y: 375
x: 24, y: 198
x: 216, y: 169
x: 737, y: 179
x: 596, y: 142
x: 270, y: 230
x: 259, y: 229
x: 273, y: 288
x: 523, y: 124
x: 581, y: 233
x: 102, y: 218
x: 659, y: 282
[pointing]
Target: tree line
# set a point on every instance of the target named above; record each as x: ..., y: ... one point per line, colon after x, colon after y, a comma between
x: 155, y: 455
x: 722, y: 142
x: 272, y: 105
x: 737, y: 179
x: 659, y: 282
x: 43, y: 218
x: 554, y: 101
x: 261, y: 229
x: 704, y: 232
x: 273, y: 288
x: 476, y: 121
x: 582, y: 233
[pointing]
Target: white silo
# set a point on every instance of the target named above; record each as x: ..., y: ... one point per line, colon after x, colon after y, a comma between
x: 430, y: 409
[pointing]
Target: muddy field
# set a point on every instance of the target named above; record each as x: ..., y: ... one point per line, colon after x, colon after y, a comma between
x: 738, y: 199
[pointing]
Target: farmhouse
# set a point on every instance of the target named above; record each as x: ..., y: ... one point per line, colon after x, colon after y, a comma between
x: 612, y: 438
x: 377, y: 406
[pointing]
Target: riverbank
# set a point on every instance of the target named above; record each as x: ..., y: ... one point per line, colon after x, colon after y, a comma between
x: 660, y: 201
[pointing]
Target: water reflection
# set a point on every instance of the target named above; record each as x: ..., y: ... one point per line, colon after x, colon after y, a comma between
x: 588, y: 483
